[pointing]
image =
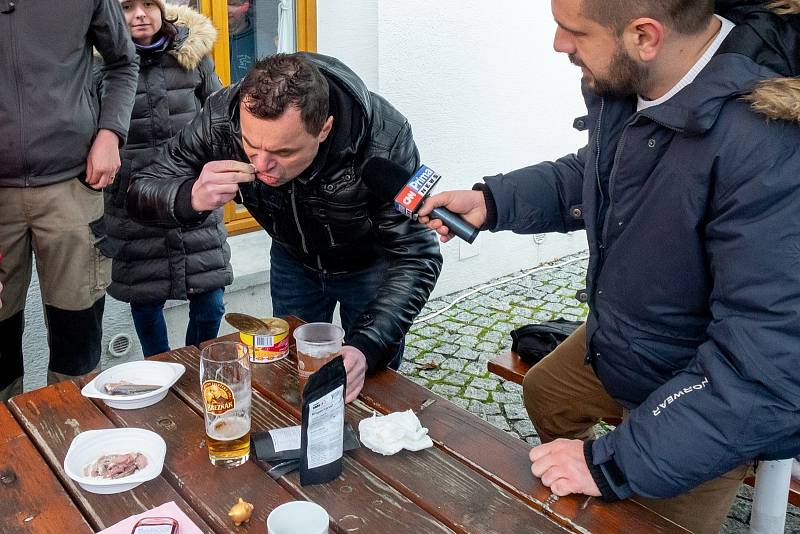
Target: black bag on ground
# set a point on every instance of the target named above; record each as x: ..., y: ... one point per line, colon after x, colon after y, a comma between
x: 535, y: 341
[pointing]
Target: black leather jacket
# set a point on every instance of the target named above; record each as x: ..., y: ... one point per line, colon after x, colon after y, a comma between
x: 325, y: 217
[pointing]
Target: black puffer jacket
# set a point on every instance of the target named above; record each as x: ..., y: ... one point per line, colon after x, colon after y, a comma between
x: 152, y: 263
x: 326, y: 217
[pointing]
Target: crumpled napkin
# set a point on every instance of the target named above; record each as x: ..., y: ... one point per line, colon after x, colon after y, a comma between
x: 391, y: 433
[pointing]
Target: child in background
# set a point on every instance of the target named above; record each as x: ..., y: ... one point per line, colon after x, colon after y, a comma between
x: 151, y: 264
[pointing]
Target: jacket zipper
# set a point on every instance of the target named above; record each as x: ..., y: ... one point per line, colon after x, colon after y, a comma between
x: 299, y: 229
x: 297, y: 219
x: 597, y: 160
x: 17, y: 73
x: 330, y: 234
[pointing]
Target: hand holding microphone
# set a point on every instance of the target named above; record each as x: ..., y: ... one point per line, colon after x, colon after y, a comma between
x: 390, y: 181
x: 470, y: 205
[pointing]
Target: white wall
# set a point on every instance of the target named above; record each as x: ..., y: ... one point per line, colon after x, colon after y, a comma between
x: 484, y: 91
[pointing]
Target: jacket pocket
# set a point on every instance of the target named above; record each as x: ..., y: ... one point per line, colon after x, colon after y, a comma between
x: 661, y: 358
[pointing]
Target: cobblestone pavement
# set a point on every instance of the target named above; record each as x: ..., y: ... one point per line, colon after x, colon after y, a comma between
x: 456, y: 335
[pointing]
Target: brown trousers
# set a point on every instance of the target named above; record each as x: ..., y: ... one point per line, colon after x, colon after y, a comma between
x: 565, y: 399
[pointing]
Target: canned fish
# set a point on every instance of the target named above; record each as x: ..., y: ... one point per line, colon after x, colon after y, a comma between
x: 269, y: 344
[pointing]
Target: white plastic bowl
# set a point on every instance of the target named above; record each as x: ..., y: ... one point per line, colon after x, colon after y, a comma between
x: 90, y: 445
x: 164, y: 374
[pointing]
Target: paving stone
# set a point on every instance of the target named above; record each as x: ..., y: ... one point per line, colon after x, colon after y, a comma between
x: 475, y: 393
x: 485, y: 408
x: 407, y: 368
x: 512, y: 387
x: 451, y: 326
x: 468, y: 341
x: 515, y: 412
x: 446, y: 349
x: 466, y: 317
x: 458, y: 401
x: 434, y: 375
x: 446, y: 390
x: 506, y: 398
x: 476, y: 369
x: 430, y: 331
x: 454, y: 364
x: 499, y: 421
x: 488, y: 384
x: 493, y: 336
x: 485, y: 321
x: 500, y: 305
x: 554, y: 307
x: 425, y: 344
x: 533, y: 441
x: 430, y: 357
x: 457, y: 379
x: 524, y: 428
x: 486, y: 346
x: 420, y: 381
x: 465, y: 353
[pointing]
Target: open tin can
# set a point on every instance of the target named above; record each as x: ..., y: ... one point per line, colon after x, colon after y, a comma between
x: 268, y: 344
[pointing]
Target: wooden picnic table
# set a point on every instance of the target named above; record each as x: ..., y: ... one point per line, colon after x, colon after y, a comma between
x: 475, y: 479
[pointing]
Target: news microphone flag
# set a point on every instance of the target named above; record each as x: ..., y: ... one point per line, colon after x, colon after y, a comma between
x: 409, y: 199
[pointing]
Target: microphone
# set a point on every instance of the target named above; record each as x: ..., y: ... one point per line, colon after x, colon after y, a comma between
x: 391, y: 182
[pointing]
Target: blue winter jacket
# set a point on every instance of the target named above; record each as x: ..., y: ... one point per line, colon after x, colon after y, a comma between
x: 692, y: 211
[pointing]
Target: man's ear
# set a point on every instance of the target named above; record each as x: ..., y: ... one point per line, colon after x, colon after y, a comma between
x: 644, y: 38
x: 326, y: 129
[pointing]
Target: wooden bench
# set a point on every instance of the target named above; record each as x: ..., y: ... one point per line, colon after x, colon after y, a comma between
x: 511, y: 367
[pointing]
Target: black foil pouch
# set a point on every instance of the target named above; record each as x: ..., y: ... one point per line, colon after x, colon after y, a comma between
x: 322, y: 431
x: 279, y: 444
x: 535, y: 341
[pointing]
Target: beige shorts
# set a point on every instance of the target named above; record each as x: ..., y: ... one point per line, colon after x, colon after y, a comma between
x: 52, y: 223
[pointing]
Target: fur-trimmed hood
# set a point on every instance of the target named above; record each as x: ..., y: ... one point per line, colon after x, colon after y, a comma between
x: 769, y: 32
x: 196, y: 35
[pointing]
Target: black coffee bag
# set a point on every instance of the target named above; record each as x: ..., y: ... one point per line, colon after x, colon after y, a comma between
x: 322, y: 430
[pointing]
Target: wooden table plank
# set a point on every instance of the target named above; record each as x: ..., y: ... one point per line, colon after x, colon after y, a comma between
x: 464, y: 500
x: 53, y: 416
x: 31, y: 498
x: 356, y: 500
x: 209, y: 490
x: 503, y: 458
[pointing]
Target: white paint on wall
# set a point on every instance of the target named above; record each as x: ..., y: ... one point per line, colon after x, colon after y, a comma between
x: 348, y: 30
x: 485, y: 93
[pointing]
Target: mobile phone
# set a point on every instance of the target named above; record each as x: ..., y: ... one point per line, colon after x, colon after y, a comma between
x: 155, y: 525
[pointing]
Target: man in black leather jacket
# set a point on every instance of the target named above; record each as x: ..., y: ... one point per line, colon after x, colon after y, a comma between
x: 305, y: 123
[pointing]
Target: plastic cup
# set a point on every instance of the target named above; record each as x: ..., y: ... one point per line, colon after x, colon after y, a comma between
x: 317, y: 344
x: 298, y: 517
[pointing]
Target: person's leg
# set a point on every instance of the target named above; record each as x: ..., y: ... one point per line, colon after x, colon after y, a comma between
x: 205, y: 314
x: 148, y: 320
x: 15, y: 274
x: 354, y: 291
x: 565, y: 399
x: 73, y: 274
x: 703, y: 509
x: 563, y: 396
x: 297, y: 290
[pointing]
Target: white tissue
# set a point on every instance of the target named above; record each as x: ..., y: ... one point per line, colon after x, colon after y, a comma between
x: 391, y: 433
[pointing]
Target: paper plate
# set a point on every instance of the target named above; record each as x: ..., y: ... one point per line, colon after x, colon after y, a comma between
x: 163, y: 374
x: 90, y: 445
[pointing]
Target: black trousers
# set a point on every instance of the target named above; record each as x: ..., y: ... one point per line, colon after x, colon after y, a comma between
x: 74, y: 337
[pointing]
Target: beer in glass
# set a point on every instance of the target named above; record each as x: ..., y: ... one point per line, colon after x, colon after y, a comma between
x: 225, y: 380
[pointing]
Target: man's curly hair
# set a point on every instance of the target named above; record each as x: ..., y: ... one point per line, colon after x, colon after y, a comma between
x: 282, y: 81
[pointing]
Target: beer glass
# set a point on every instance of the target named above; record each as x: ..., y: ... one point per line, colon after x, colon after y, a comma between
x: 225, y: 381
x: 316, y: 344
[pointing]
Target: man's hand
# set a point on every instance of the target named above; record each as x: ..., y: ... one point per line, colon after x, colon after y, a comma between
x: 470, y: 204
x: 102, y: 163
x: 562, y: 467
x: 218, y: 183
x: 355, y: 363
